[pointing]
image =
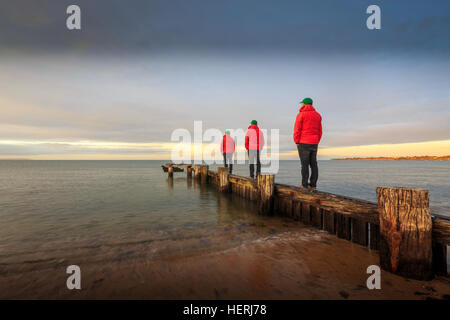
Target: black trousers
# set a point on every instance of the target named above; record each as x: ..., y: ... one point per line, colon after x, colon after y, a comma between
x: 253, y: 158
x: 228, y: 161
x: 308, y: 158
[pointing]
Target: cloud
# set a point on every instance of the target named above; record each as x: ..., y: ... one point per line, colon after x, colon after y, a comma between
x: 151, y: 26
x: 137, y: 72
x: 37, y: 148
x: 435, y: 128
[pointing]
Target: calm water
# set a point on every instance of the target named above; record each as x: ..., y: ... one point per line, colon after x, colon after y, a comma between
x: 48, y: 207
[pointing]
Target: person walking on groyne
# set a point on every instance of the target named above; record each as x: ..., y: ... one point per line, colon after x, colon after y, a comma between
x: 307, y: 135
x: 227, y: 147
x: 254, y: 142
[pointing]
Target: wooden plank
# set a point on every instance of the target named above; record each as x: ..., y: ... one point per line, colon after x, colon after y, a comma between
x: 374, y: 235
x: 265, y: 185
x: 197, y: 172
x: 204, y: 173
x: 181, y: 165
x: 343, y: 226
x: 282, y: 206
x: 242, y: 180
x: 345, y: 205
x: 316, y: 217
x: 441, y: 231
x: 329, y: 221
x: 276, y: 205
x: 224, y: 185
x: 439, y: 258
x: 296, y: 209
x: 359, y: 231
x: 306, y: 213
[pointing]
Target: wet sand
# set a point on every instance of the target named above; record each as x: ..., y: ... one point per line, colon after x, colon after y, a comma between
x: 297, y: 263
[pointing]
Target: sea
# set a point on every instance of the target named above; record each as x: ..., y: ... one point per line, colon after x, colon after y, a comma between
x: 60, y: 210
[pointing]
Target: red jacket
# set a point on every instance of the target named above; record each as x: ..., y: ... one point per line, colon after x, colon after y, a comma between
x: 308, y: 126
x: 254, y: 139
x: 227, y: 144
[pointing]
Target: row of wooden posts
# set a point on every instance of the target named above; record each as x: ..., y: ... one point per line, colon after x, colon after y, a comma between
x: 410, y: 242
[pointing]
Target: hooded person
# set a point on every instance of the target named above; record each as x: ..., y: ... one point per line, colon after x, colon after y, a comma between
x: 227, y: 148
x: 307, y: 135
x: 254, y: 142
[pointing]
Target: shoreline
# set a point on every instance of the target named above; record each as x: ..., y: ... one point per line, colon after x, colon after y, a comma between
x: 307, y: 264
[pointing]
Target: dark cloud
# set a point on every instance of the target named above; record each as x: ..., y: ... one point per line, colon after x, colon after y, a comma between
x: 326, y: 26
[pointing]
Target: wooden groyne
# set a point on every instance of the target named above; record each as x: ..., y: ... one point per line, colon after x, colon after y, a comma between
x: 410, y: 241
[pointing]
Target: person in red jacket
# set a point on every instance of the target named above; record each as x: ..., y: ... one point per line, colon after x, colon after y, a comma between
x: 307, y: 135
x: 254, y: 142
x: 227, y: 149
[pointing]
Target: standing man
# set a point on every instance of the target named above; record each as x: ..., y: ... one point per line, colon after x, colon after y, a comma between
x: 307, y: 135
x: 254, y: 142
x: 227, y: 149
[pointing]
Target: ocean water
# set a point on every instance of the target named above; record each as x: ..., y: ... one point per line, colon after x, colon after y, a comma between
x: 62, y: 210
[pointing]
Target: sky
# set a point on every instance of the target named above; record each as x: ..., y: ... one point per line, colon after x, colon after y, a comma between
x: 138, y: 70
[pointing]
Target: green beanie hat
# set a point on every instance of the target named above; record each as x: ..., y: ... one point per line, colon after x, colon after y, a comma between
x: 254, y: 122
x: 227, y: 132
x: 307, y: 101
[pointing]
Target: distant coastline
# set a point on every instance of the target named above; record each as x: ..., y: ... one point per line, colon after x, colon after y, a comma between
x: 442, y: 158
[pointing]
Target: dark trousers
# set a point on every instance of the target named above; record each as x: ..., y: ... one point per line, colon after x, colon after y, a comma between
x: 228, y: 161
x: 308, y: 158
x: 253, y: 158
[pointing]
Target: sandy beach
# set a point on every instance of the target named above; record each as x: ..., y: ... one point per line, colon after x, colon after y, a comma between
x: 302, y: 264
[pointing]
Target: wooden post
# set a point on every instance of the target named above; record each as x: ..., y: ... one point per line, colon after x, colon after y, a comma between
x: 405, y: 232
x: 170, y: 170
x: 441, y: 239
x: 204, y: 173
x: 197, y: 171
x: 189, y: 172
x: 359, y: 231
x: 266, y: 184
x: 329, y: 221
x: 224, y: 185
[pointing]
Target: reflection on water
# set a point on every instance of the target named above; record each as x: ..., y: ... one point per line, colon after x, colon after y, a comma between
x: 111, y: 211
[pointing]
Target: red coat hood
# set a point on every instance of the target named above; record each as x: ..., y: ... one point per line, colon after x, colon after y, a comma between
x: 253, y: 126
x: 307, y: 107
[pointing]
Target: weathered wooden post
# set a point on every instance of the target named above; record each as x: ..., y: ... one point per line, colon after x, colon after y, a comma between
x: 224, y: 185
x: 197, y: 171
x: 189, y: 172
x: 441, y: 239
x: 204, y: 173
x: 266, y: 186
x: 170, y: 170
x: 405, y: 232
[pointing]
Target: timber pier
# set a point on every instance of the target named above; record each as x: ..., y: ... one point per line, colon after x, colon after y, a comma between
x: 410, y: 241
